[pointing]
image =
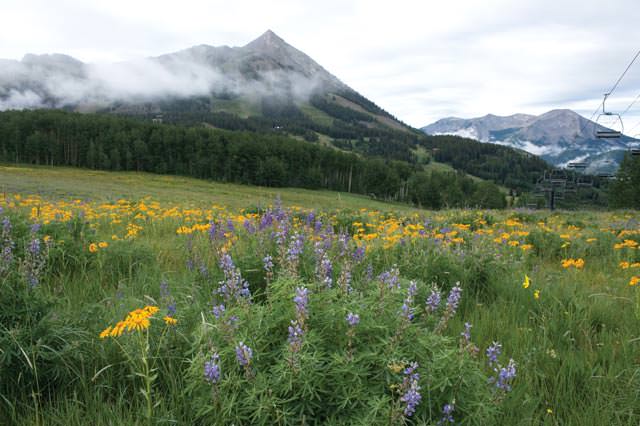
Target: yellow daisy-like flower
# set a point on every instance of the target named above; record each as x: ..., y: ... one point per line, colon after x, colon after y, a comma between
x: 103, y: 244
x: 93, y: 247
x: 634, y: 281
x: 118, y: 329
x: 536, y: 294
x: 151, y: 310
x: 170, y: 320
x: 527, y: 282
x: 137, y: 322
x: 105, y: 333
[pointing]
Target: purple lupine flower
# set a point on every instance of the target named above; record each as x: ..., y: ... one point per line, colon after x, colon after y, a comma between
x: 345, y: 279
x: 167, y: 298
x: 281, y: 234
x: 391, y: 278
x: 295, y: 336
x: 34, y: 247
x: 226, y: 264
x: 278, y: 205
x: 447, y: 415
x: 213, y: 231
x: 6, y: 226
x: 466, y: 334
x: 171, y: 309
x: 230, y: 226
x: 218, y: 311
x: 204, y: 272
x: 369, y: 272
x: 325, y: 271
x: 353, y: 319
x: 295, y: 247
x: 7, y: 244
x: 358, y: 254
x: 310, y: 218
x: 301, y: 299
x: 433, y: 301
x: 506, y: 376
x: 493, y: 352
x: 34, y: 262
x: 267, y: 263
x: 248, y: 226
x: 411, y: 396
x: 233, y: 287
x: 454, y: 298
x: 35, y: 228
x: 317, y: 227
x: 407, y: 309
x: 266, y: 220
x: 244, y: 354
x: 212, y: 369
x: 343, y: 243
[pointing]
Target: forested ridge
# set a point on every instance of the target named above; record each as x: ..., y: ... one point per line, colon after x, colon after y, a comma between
x: 107, y: 142
x: 500, y: 164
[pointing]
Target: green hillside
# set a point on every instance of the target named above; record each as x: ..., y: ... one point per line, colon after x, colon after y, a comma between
x: 71, y: 183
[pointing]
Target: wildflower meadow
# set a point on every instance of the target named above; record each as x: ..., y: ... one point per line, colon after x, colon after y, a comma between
x: 144, y: 311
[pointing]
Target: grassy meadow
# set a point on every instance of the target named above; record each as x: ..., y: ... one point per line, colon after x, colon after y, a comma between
x: 143, y: 299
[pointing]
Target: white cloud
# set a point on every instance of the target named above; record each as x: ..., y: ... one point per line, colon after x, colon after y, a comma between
x: 420, y: 60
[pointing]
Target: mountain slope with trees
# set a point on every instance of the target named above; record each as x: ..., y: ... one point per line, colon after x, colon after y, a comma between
x: 104, y: 142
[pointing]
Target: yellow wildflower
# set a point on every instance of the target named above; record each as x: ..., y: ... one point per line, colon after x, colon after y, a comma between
x: 634, y: 281
x: 137, y: 322
x: 105, y: 333
x: 118, y: 329
x: 170, y: 320
x: 527, y: 282
x: 93, y: 247
x: 151, y: 309
x: 536, y: 294
x: 103, y: 244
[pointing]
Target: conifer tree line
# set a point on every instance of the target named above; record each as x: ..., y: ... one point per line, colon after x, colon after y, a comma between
x: 625, y: 189
x: 107, y: 142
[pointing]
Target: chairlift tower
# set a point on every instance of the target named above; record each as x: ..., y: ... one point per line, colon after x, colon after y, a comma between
x: 553, y: 185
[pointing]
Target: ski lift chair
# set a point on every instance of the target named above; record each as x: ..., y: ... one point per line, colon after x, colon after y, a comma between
x: 603, y: 132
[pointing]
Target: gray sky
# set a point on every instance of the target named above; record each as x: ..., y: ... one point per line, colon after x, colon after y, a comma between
x: 420, y: 60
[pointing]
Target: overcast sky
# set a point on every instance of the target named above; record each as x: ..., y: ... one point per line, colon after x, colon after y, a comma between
x: 420, y: 60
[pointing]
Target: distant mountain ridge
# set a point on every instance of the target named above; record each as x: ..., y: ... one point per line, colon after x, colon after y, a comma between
x: 559, y: 136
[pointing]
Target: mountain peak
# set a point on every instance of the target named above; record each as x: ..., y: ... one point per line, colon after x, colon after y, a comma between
x: 268, y: 40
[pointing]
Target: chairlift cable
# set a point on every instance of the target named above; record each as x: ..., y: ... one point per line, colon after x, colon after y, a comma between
x: 615, y: 86
x: 630, y: 105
